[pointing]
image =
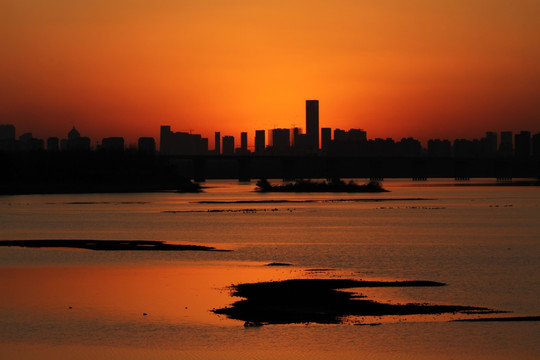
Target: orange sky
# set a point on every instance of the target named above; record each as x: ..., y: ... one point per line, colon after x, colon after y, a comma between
x: 428, y: 69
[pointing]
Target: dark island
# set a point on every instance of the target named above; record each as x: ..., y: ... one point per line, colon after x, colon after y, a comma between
x: 335, y: 185
x: 107, y: 245
x: 320, y: 301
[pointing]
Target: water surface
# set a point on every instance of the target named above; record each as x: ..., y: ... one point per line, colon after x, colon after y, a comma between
x: 483, y: 241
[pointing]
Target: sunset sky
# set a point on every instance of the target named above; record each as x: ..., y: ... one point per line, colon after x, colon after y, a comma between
x: 421, y: 68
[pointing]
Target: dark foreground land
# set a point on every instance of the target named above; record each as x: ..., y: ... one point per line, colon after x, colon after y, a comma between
x: 107, y: 245
x: 89, y: 172
x: 320, y: 301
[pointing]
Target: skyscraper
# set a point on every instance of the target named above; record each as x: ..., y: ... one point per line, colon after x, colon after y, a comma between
x: 181, y: 143
x: 326, y: 137
x: 506, y: 147
x: 228, y: 145
x: 312, y: 124
x: 523, y: 144
x: 260, y: 144
x: 217, y: 142
x: 7, y: 132
x: 281, y: 141
x: 243, y: 142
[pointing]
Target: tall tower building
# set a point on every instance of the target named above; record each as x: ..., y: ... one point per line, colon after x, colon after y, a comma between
x: 217, y: 142
x: 326, y: 137
x: 243, y: 142
x: 165, y: 147
x: 260, y: 144
x: 506, y: 146
x: 312, y: 124
x: 523, y: 144
x: 228, y: 145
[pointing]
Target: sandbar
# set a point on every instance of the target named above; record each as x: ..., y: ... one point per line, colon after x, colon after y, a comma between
x: 107, y: 245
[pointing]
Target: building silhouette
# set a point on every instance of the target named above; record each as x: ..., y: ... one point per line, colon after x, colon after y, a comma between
x: 326, y: 137
x: 217, y: 143
x: 439, y: 148
x: 181, y: 143
x: 506, y: 146
x: 147, y: 145
x: 523, y: 144
x: 53, y: 144
x: 260, y: 143
x: 114, y: 144
x: 408, y: 147
x: 28, y: 143
x: 228, y: 145
x: 352, y: 142
x: 280, y: 141
x: 490, y: 143
x: 7, y: 138
x: 536, y: 145
x: 243, y: 143
x: 75, y: 142
x: 312, y: 124
x: 7, y: 132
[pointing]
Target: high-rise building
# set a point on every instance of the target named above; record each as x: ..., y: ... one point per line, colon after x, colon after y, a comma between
x: 523, y: 144
x: 491, y: 142
x: 536, y: 145
x: 217, y: 142
x: 351, y: 142
x: 7, y: 138
x: 281, y: 141
x: 28, y: 143
x: 181, y: 143
x: 243, y: 142
x: 506, y: 147
x: 228, y: 145
x: 7, y: 132
x: 260, y: 143
x: 326, y: 137
x: 147, y: 145
x: 75, y: 142
x: 312, y: 124
x: 113, y: 144
x: 53, y: 144
x: 439, y: 148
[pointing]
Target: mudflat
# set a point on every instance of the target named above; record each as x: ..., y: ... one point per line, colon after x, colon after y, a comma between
x: 320, y: 301
x: 107, y: 245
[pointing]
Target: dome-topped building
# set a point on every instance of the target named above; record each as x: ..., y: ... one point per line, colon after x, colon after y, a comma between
x: 75, y: 142
x: 73, y: 134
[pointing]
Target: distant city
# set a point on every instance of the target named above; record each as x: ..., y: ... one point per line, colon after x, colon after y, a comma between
x: 284, y: 142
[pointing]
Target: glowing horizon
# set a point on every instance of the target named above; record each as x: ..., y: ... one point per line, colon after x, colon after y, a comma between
x: 451, y: 69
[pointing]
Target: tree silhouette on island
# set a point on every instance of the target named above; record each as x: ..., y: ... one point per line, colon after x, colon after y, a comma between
x: 334, y: 185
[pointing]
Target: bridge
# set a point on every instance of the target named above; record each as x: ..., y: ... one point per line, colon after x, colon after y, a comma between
x: 290, y: 167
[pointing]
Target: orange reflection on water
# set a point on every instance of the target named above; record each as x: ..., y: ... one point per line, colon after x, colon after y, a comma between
x: 169, y: 294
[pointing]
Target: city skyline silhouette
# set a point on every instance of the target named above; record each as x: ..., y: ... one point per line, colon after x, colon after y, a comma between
x: 311, y: 139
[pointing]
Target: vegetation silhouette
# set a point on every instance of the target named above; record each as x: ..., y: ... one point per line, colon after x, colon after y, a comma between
x: 334, y: 185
